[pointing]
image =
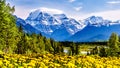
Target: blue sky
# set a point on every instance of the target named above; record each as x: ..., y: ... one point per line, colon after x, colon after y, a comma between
x: 78, y: 9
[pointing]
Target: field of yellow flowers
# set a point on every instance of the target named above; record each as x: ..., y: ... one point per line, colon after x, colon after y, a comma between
x: 57, y: 61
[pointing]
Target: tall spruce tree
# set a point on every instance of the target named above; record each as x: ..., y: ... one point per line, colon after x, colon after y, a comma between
x: 19, y: 49
x: 8, y: 29
x: 113, y: 41
x: 41, y: 44
x: 48, y: 46
x: 113, y: 45
x: 119, y: 38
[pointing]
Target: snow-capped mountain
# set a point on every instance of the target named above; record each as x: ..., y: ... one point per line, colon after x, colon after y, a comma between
x: 49, y: 24
x: 61, y: 28
x: 42, y: 21
x: 96, y: 29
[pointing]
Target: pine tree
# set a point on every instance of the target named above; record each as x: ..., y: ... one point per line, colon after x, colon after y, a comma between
x: 8, y: 29
x: 59, y: 48
x: 34, y: 43
x: 20, y: 43
x: 119, y: 38
x: 113, y: 41
x: 113, y: 45
x: 73, y: 48
x: 27, y: 46
x: 41, y: 44
x: 48, y: 46
x: 103, y: 52
x: 77, y: 49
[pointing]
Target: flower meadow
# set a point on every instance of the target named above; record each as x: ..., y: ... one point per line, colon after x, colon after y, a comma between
x: 57, y: 61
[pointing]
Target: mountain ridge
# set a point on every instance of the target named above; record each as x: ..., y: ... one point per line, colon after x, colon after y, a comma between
x: 61, y: 28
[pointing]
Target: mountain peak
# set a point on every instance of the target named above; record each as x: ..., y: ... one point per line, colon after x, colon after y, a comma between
x: 33, y: 15
x: 96, y: 21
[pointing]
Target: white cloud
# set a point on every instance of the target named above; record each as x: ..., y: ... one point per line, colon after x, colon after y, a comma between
x: 78, y: 8
x: 110, y: 15
x: 49, y: 10
x: 72, y: 1
x: 23, y: 12
x: 113, y: 2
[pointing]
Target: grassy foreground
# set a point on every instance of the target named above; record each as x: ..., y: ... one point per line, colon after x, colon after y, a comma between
x: 57, y: 61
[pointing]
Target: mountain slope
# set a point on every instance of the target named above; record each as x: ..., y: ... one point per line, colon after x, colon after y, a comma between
x: 26, y: 27
x: 96, y: 30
